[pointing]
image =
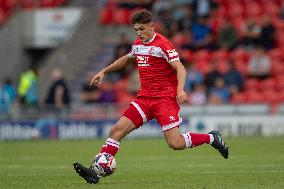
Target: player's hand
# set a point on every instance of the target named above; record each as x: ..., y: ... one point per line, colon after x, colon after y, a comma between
x: 182, y: 97
x: 97, y: 79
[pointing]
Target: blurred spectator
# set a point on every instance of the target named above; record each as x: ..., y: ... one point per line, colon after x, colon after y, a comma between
x: 251, y: 32
x: 28, y: 87
x: 4, y: 101
x: 259, y: 64
x: 90, y: 93
x: 185, y: 20
x: 124, y: 44
x: 7, y: 96
x: 58, y: 94
x: 203, y: 7
x: 169, y: 22
x: 219, y: 94
x: 281, y: 13
x: 202, y: 34
x: 108, y: 94
x: 188, y: 42
x: 130, y: 4
x: 123, y: 48
x: 198, y: 95
x: 267, y: 34
x: 227, y: 37
x: 233, y: 78
x: 193, y: 77
x: 134, y: 82
x: 212, y: 75
x: 9, y: 88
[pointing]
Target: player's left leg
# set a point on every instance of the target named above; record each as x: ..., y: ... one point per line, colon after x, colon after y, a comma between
x: 179, y: 141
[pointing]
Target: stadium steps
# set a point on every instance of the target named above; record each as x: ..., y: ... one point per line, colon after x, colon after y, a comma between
x: 13, y: 58
x: 74, y: 53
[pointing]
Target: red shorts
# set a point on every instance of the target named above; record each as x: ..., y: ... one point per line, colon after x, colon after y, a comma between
x: 164, y: 109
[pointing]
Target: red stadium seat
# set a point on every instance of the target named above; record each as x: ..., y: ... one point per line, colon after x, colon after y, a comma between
x: 272, y: 97
x: 121, y: 16
x: 27, y: 4
x: 271, y: 8
x: 239, y: 98
x: 186, y: 55
x: 252, y: 84
x: 275, y: 54
x: 202, y: 55
x: 106, y: 16
x: 280, y: 82
x: 220, y: 55
x: 268, y: 84
x: 222, y: 66
x: 239, y: 55
x: 253, y: 9
x: 277, y: 68
x: 178, y: 40
x: 236, y: 10
x: 46, y: 3
x: 241, y: 66
x: 202, y: 66
x: 254, y: 96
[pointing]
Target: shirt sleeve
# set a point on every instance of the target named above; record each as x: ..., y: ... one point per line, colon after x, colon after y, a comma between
x: 169, y: 53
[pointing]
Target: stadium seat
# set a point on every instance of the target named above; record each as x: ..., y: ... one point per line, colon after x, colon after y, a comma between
x: 222, y: 66
x: 253, y: 9
x: 276, y: 54
x: 241, y: 66
x: 121, y: 16
x: 254, y: 96
x: 46, y: 3
x: 268, y: 84
x: 202, y: 56
x: 280, y: 82
x: 252, y: 84
x: 271, y: 9
x: 277, y: 68
x: 271, y: 97
x: 239, y: 98
x: 236, y: 10
x: 202, y: 66
x: 239, y: 55
x: 220, y: 55
x: 178, y: 40
x: 27, y: 4
x: 186, y: 55
x: 106, y: 16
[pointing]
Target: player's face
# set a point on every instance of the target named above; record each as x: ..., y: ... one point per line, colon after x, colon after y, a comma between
x: 144, y: 31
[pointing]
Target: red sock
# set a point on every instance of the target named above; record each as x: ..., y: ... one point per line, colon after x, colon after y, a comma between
x: 111, y: 147
x: 195, y: 139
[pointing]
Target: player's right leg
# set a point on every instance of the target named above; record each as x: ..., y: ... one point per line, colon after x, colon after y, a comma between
x: 134, y: 116
x: 123, y: 127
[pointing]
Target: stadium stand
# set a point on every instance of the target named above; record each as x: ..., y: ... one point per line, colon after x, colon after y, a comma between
x: 263, y: 95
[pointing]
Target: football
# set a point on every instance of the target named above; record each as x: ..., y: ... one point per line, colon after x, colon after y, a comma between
x: 104, y: 164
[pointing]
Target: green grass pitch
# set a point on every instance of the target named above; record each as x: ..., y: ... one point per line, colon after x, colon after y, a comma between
x: 254, y: 162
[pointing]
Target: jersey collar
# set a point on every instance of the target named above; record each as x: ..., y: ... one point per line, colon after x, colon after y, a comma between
x: 152, y: 39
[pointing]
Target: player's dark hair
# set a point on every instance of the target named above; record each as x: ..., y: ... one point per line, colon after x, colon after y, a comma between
x: 142, y: 17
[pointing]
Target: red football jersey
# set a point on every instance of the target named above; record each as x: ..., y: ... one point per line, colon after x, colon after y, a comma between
x: 158, y: 78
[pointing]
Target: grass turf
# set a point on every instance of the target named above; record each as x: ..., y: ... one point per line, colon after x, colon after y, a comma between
x: 145, y: 163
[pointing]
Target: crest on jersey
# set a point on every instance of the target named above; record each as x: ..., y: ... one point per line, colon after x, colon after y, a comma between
x: 151, y: 51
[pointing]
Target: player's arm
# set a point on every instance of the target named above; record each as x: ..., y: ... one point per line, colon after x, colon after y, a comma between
x: 116, y: 65
x: 181, y: 76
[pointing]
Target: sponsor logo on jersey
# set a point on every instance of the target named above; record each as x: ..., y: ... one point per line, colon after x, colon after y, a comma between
x: 172, y: 53
x: 172, y: 118
x: 142, y: 60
